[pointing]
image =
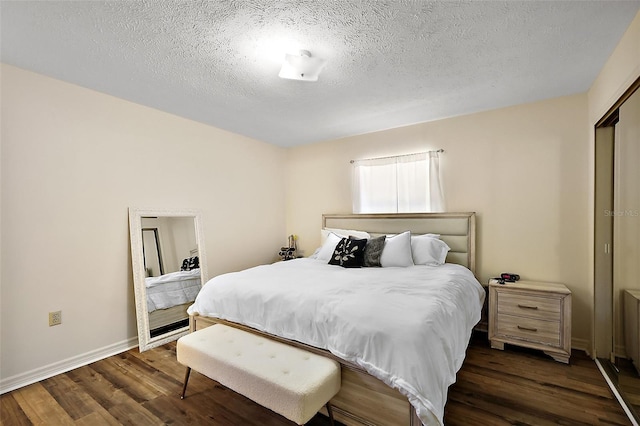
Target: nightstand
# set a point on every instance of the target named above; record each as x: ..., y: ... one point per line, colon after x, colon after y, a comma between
x: 531, y: 314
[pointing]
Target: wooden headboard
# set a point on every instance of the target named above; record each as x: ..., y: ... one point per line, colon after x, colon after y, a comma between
x: 458, y: 230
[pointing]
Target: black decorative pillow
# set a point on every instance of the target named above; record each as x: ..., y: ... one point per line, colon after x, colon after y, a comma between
x: 190, y: 263
x: 185, y: 265
x: 349, y: 253
x: 373, y: 251
x: 194, y: 263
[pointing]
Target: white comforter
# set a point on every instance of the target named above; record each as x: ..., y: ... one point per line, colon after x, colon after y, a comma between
x: 409, y: 327
x: 175, y: 288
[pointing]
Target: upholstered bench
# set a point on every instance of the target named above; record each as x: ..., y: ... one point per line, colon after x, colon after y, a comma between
x: 290, y: 381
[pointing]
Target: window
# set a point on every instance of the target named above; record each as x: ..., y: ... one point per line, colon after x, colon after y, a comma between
x: 400, y: 184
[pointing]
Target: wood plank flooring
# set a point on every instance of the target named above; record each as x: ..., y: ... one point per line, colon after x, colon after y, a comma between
x: 628, y: 382
x: 525, y: 387
x: 511, y: 387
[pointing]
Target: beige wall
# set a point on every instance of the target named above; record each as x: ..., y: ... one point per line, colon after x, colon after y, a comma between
x: 73, y: 161
x: 622, y: 69
x: 522, y: 169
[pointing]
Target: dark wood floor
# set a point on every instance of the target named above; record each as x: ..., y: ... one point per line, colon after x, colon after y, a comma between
x: 628, y: 382
x: 525, y: 387
x: 511, y: 387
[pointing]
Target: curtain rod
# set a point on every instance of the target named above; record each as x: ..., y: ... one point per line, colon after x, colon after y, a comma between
x: 395, y: 156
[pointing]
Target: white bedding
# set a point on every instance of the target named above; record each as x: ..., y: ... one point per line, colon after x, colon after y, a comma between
x: 407, y: 326
x: 172, y: 289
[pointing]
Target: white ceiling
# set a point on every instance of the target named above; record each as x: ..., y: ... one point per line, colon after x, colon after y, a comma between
x: 390, y: 63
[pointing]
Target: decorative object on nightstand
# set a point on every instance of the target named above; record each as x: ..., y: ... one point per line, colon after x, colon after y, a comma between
x: 531, y: 314
x: 289, y: 252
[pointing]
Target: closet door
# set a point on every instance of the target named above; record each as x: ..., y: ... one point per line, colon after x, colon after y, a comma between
x: 626, y: 215
x: 603, y: 241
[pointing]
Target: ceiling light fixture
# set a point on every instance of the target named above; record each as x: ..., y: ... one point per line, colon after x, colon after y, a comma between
x: 301, y: 67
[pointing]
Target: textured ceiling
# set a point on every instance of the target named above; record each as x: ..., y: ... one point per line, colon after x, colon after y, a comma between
x: 390, y: 63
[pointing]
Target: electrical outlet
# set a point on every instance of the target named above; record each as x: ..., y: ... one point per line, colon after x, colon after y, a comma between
x: 55, y: 318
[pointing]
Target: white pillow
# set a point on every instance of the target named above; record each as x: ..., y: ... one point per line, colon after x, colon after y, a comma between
x: 427, y: 250
x: 418, y: 235
x: 329, y: 246
x: 344, y: 233
x: 397, y: 251
x: 426, y: 235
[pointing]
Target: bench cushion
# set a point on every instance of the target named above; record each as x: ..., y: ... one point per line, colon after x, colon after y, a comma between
x: 290, y: 381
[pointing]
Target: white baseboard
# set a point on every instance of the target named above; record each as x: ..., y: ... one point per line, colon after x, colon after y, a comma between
x: 620, y: 351
x: 581, y: 344
x: 23, y: 379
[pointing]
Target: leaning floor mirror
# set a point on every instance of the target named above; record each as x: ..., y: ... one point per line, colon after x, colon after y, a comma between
x: 169, y: 267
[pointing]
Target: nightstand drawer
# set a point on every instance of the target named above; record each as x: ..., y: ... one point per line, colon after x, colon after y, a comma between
x: 531, y: 330
x: 529, y: 305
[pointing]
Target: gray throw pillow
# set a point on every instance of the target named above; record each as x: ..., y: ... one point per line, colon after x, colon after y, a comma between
x: 373, y: 251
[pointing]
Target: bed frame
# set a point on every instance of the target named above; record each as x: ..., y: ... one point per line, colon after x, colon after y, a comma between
x: 364, y: 399
x: 163, y: 317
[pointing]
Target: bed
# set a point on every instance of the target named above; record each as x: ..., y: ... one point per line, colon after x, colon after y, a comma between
x: 400, y: 333
x: 169, y: 296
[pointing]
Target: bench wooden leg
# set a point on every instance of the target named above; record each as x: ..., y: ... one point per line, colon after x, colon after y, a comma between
x: 330, y: 411
x: 186, y: 380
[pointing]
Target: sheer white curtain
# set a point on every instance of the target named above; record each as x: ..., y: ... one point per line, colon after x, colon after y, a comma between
x: 435, y: 195
x: 401, y: 184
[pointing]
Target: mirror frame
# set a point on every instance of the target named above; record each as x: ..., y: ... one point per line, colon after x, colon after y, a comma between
x: 145, y: 341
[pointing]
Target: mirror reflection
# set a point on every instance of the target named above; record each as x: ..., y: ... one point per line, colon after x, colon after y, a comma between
x: 172, y: 271
x: 617, y: 230
x: 151, y: 249
x: 166, y: 256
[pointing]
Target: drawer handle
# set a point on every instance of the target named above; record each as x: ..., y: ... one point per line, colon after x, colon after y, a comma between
x: 527, y: 307
x: 527, y: 328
